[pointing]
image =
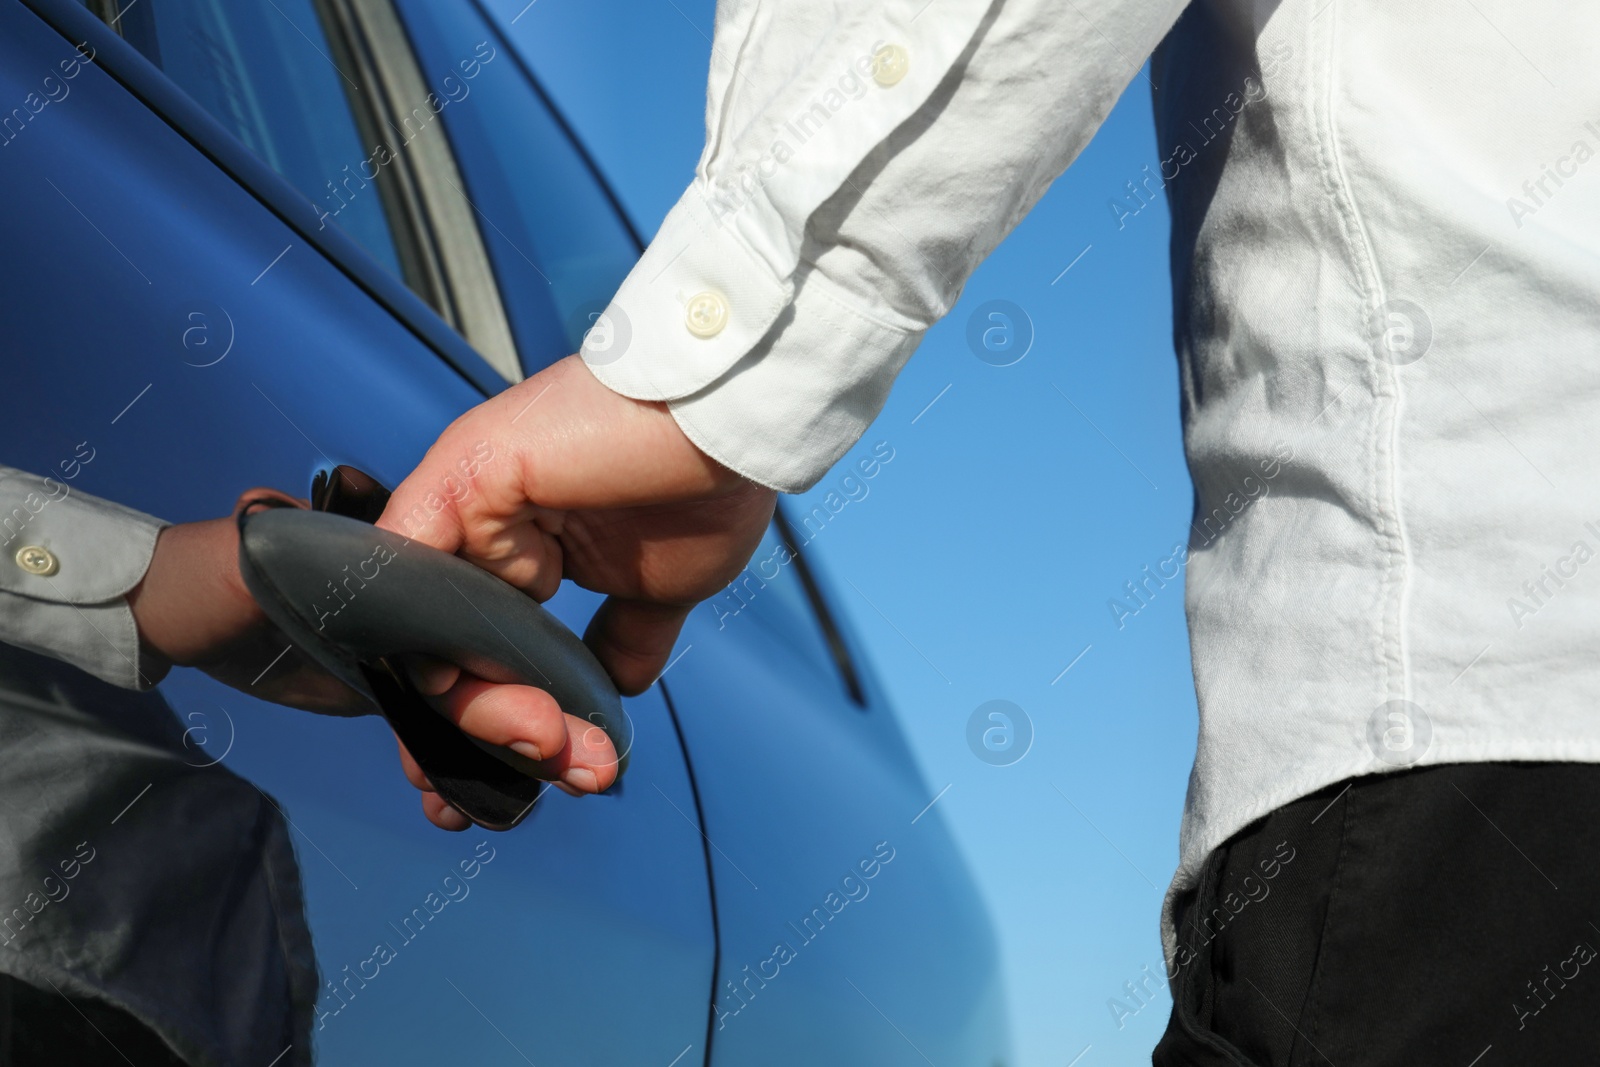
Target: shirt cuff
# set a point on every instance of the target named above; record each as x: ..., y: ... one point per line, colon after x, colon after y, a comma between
x: 803, y: 395
x: 67, y: 561
x: 697, y: 301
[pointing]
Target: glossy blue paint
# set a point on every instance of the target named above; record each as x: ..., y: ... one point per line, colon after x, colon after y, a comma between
x: 190, y: 120
x: 591, y: 904
x: 525, y: 177
x: 799, y: 787
x: 592, y: 939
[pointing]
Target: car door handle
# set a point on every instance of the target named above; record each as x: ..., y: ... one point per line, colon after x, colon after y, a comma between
x: 356, y: 598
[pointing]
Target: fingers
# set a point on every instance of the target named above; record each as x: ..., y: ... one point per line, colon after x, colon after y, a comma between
x: 559, y: 440
x: 519, y: 717
x: 423, y: 507
x: 432, y: 677
x: 261, y: 495
x: 442, y: 815
x: 564, y: 748
x: 434, y: 808
x: 574, y: 754
x: 481, y: 514
x: 525, y: 554
x: 633, y: 638
x: 437, y: 811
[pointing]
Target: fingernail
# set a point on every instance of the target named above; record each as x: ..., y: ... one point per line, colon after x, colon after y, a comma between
x: 567, y: 789
x: 584, y: 779
x: 527, y: 748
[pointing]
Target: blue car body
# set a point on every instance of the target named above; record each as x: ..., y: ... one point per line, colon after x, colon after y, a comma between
x: 768, y: 885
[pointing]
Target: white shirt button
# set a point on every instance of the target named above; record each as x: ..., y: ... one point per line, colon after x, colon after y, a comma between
x: 37, y: 560
x: 889, y: 65
x: 708, y: 314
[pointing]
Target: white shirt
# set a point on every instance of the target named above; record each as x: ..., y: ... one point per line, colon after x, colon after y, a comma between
x: 1386, y: 275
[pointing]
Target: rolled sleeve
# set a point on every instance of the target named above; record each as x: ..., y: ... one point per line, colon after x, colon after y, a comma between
x: 67, y: 563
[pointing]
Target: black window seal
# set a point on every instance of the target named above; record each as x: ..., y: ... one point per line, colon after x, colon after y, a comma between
x: 838, y: 648
x: 441, y: 245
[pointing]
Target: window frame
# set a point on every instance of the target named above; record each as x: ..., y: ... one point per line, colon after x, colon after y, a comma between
x: 82, y: 20
x: 442, y: 251
x: 444, y: 261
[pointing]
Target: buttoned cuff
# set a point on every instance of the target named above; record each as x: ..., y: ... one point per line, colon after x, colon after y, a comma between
x: 698, y: 301
x: 67, y: 562
x: 794, y: 404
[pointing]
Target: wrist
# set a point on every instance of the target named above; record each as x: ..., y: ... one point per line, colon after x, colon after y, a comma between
x: 192, y: 601
x: 637, y: 448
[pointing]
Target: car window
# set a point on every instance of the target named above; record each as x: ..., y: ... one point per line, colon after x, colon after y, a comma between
x: 559, y: 243
x: 265, y: 73
x: 186, y: 383
x: 329, y: 94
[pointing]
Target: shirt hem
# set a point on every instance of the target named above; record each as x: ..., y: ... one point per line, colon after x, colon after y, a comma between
x: 1229, y: 823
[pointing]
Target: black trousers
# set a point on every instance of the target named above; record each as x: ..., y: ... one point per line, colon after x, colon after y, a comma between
x: 1448, y: 915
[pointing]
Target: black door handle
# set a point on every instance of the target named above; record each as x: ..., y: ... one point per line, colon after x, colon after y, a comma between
x: 356, y: 598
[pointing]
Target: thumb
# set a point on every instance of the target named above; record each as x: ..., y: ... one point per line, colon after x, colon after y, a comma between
x: 633, y: 638
x: 424, y: 507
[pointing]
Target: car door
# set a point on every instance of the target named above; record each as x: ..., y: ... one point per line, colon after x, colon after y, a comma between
x: 851, y: 929
x: 802, y: 771
x: 177, y: 301
x: 803, y: 775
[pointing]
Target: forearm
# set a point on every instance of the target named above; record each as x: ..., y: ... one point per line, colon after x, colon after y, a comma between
x: 841, y: 205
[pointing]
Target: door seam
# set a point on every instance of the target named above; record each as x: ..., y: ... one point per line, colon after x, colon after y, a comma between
x: 711, y: 875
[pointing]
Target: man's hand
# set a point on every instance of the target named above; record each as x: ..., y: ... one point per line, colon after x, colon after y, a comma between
x: 557, y: 477
x: 192, y: 609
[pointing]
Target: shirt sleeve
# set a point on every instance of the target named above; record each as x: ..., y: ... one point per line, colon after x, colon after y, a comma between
x: 67, y: 563
x: 862, y: 158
